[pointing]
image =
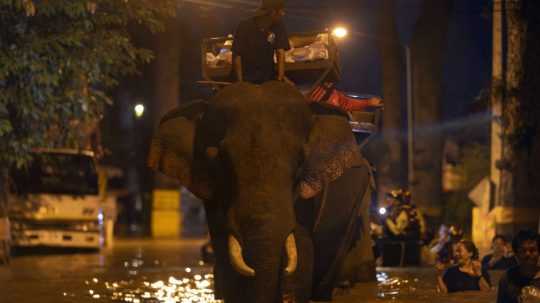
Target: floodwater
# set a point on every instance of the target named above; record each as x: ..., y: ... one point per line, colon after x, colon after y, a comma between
x: 150, y: 271
x: 406, y: 285
x: 141, y: 271
x: 195, y: 285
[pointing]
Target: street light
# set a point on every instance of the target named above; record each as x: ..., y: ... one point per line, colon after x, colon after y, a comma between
x: 139, y: 110
x: 340, y: 32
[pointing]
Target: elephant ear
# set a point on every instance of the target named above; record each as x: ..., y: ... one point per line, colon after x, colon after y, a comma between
x: 330, y: 150
x: 172, y: 147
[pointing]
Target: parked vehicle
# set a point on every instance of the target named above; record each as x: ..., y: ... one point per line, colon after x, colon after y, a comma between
x: 5, y: 241
x: 56, y: 201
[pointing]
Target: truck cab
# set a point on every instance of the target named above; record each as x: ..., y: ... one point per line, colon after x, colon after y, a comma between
x: 55, y: 201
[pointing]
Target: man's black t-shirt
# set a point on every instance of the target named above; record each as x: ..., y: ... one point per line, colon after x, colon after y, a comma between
x: 257, y: 48
x: 503, y: 264
x: 456, y: 280
x: 511, y: 284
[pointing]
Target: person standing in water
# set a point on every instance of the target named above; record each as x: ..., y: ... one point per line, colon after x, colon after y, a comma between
x: 467, y: 275
x: 526, y: 246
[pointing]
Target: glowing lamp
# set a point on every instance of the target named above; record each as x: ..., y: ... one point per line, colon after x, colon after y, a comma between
x: 139, y: 110
x: 340, y: 32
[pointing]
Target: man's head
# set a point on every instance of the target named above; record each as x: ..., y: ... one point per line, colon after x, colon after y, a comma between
x: 399, y: 196
x: 456, y: 233
x: 274, y: 9
x: 393, y: 197
x: 498, y: 244
x: 526, y: 245
x: 406, y: 197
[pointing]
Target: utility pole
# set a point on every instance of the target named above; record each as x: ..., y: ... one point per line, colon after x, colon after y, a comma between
x: 410, y: 119
x: 496, y: 98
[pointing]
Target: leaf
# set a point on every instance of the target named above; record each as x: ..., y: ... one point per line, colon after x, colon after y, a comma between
x: 52, y: 42
x: 5, y: 127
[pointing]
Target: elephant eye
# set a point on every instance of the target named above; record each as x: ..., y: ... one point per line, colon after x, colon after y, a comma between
x: 212, y: 152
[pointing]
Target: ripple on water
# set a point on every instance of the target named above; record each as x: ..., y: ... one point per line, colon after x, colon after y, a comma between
x: 420, y: 287
x: 530, y: 295
x: 195, y: 286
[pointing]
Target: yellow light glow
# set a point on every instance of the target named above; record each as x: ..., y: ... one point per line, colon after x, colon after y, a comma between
x: 340, y: 32
x: 139, y: 110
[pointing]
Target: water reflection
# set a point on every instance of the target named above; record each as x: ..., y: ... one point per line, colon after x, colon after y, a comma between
x: 530, y: 295
x: 418, y: 285
x: 392, y: 287
x: 195, y: 285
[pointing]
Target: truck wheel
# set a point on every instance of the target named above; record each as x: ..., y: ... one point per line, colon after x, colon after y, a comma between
x: 8, y: 252
x: 5, y: 252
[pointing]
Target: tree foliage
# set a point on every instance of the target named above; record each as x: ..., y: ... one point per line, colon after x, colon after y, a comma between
x: 58, y: 61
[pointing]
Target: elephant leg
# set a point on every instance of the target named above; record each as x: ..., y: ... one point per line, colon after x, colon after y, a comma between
x: 336, y: 231
x: 359, y: 264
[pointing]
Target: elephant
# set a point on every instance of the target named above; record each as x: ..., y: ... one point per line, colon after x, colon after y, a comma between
x: 283, y: 184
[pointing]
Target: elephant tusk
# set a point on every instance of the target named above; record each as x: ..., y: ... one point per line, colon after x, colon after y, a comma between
x: 292, y: 254
x: 237, y: 260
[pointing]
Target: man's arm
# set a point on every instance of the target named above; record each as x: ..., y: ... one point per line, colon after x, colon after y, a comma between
x: 485, y: 280
x: 281, y: 45
x: 486, y: 262
x: 419, y: 214
x: 440, y: 283
x: 483, y: 284
x: 238, y: 68
x: 392, y: 227
x: 281, y: 64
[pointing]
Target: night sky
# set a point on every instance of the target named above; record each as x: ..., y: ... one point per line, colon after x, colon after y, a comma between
x: 468, y: 64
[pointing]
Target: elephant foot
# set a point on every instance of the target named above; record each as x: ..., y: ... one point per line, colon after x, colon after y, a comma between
x: 292, y: 299
x: 343, y: 288
x: 366, y: 272
x: 288, y: 299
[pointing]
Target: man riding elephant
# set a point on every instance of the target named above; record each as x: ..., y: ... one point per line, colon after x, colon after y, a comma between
x: 257, y: 40
x: 283, y: 184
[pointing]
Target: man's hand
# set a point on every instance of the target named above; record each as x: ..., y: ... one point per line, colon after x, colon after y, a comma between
x: 498, y: 254
x: 476, y: 268
x: 441, y: 268
x: 281, y: 64
x: 375, y: 102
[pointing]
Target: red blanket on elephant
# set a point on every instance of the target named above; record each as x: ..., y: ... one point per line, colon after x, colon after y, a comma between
x: 327, y: 93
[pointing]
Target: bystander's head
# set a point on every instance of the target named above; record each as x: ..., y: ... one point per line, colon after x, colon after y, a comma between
x: 466, y: 252
x: 526, y: 246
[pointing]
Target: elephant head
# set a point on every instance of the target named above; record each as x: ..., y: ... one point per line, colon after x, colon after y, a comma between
x: 249, y: 152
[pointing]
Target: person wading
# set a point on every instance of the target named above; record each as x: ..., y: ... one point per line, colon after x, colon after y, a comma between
x: 501, y: 257
x: 526, y: 246
x: 257, y: 40
x: 467, y: 274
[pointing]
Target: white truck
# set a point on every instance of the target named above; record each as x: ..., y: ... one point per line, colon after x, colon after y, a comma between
x: 56, y: 201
